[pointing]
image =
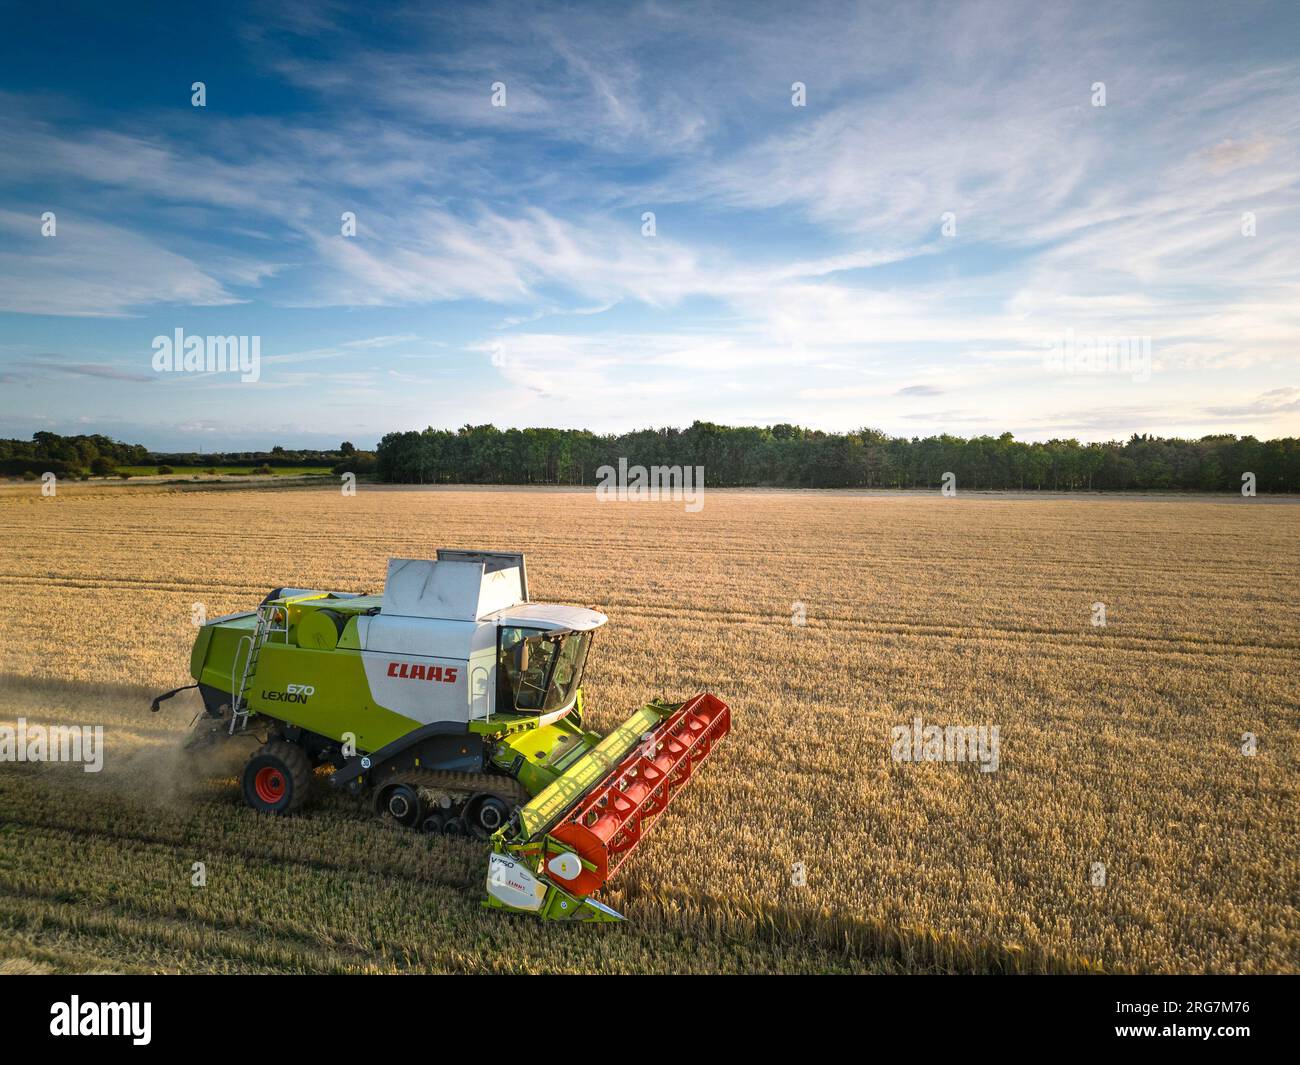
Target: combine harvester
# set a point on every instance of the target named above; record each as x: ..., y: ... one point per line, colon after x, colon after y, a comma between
x: 456, y: 704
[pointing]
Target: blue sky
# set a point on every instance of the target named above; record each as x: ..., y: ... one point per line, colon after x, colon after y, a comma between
x: 799, y: 271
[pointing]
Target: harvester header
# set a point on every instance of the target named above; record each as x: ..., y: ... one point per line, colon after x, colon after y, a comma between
x: 455, y: 703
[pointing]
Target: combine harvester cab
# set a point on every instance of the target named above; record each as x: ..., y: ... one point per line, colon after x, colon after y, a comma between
x: 455, y: 703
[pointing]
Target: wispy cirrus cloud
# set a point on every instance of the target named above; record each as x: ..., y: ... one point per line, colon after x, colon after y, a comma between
x: 50, y: 362
x: 1271, y: 403
x: 94, y: 269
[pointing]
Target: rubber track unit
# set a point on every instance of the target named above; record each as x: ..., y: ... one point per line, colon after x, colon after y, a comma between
x: 465, y: 785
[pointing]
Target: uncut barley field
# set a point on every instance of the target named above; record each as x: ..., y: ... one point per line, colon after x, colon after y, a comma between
x: 804, y: 847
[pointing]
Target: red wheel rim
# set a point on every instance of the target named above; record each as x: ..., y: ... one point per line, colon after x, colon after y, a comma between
x: 269, y: 784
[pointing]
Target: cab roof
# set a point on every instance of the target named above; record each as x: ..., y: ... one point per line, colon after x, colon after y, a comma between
x: 549, y: 616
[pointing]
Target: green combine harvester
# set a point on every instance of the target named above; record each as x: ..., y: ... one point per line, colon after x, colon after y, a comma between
x: 456, y: 704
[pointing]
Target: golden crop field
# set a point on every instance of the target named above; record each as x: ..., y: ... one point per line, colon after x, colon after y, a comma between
x: 1124, y: 829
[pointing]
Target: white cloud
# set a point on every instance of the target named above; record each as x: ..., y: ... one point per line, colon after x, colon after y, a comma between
x: 90, y: 268
x: 1268, y: 405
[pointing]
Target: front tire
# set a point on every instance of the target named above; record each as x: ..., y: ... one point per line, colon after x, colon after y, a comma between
x: 277, y: 778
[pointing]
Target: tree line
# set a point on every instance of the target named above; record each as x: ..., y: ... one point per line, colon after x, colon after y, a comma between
x: 789, y: 456
x: 99, y: 456
x: 68, y: 455
x: 346, y: 458
x: 778, y: 456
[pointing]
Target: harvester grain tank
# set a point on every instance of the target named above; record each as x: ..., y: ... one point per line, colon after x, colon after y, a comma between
x: 455, y: 703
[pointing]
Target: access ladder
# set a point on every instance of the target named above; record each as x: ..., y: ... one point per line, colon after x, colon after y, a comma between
x: 265, y: 628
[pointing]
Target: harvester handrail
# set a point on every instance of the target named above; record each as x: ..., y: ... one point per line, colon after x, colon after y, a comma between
x: 234, y: 667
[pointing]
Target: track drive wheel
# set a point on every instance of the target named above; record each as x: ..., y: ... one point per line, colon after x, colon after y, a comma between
x: 484, y: 814
x: 277, y: 778
x: 403, y: 804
